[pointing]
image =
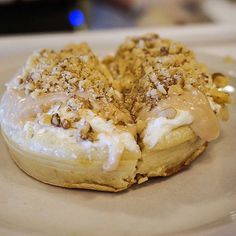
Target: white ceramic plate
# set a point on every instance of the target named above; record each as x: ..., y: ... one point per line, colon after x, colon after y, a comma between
x: 200, y: 200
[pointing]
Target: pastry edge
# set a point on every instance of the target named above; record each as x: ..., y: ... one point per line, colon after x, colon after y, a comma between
x: 106, y: 188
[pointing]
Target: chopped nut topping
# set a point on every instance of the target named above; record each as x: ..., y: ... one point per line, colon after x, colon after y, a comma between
x: 164, y: 51
x: 78, y: 74
x: 85, y: 131
x: 65, y: 124
x: 161, y: 88
x: 157, y: 69
x: 73, y: 68
x: 220, y: 80
x: 92, y: 136
x: 219, y: 96
x: 56, y: 121
x: 122, y: 88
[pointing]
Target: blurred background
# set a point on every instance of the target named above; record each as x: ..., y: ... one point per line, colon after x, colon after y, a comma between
x: 34, y: 16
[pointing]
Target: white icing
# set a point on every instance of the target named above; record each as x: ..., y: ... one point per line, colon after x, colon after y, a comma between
x: 113, y: 144
x: 48, y: 140
x: 99, y: 125
x: 159, y: 127
x: 66, y: 144
x: 84, y: 58
x: 114, y: 140
x: 141, y: 44
x: 117, y: 143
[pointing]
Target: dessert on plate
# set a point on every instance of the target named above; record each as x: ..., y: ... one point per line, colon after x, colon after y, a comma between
x: 72, y: 120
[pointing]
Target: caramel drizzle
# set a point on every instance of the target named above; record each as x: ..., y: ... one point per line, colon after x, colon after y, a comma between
x: 205, y: 123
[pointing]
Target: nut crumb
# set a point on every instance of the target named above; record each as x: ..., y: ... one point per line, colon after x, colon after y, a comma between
x: 55, y: 120
x: 65, y: 124
x: 164, y: 51
x: 144, y: 71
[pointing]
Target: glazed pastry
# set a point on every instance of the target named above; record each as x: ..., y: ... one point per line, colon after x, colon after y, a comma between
x: 71, y: 120
x: 65, y: 124
x: 175, y: 101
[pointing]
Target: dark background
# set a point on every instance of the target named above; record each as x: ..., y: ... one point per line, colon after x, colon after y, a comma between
x: 42, y: 16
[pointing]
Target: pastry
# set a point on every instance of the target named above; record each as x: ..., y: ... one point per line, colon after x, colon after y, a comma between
x: 176, y: 102
x: 65, y: 124
x: 74, y: 121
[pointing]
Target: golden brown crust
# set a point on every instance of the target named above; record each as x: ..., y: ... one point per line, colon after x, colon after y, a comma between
x: 90, y: 184
x: 186, y: 162
x: 74, y: 174
x: 177, y: 168
x: 106, y: 188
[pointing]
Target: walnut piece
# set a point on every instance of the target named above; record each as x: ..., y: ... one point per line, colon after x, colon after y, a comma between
x: 65, y: 124
x: 55, y: 120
